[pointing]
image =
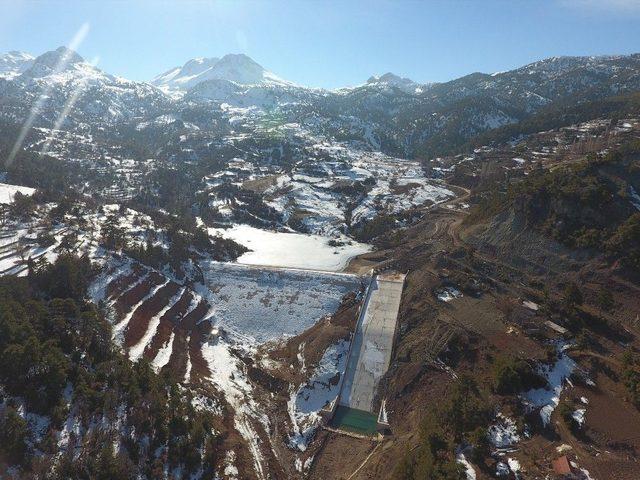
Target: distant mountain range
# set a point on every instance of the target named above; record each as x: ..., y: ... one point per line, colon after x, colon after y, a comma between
x: 393, y: 114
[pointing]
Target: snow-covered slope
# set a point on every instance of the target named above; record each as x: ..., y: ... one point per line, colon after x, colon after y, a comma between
x: 14, y: 63
x: 62, y: 81
x: 389, y: 79
x: 187, y: 76
x: 8, y: 192
x: 237, y: 68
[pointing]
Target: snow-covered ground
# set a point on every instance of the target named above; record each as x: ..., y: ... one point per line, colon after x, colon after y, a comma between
x: 333, y: 186
x: 504, y: 432
x: 314, y: 189
x: 228, y: 376
x: 321, y: 389
x: 514, y: 466
x: 17, y: 245
x: 448, y: 293
x: 257, y: 305
x: 579, y: 416
x: 547, y: 399
x: 291, y: 250
x: 469, y: 471
x: 8, y: 192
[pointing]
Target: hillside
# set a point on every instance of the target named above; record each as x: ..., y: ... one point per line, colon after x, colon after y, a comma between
x: 72, y: 405
x: 563, y: 114
x: 510, y: 391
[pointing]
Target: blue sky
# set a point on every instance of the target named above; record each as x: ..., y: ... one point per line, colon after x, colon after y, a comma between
x: 326, y: 43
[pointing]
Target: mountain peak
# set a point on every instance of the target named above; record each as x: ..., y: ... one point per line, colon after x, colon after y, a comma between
x: 61, y: 57
x: 387, y: 78
x: 393, y: 80
x: 239, y: 57
x: 196, y: 66
x: 54, y: 61
x: 239, y: 68
x: 233, y: 67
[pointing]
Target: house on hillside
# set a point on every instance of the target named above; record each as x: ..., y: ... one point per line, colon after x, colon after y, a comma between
x: 562, y: 467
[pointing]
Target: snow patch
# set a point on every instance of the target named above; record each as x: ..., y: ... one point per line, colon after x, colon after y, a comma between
x: 320, y: 390
x: 579, y: 416
x: 514, y: 465
x: 547, y: 399
x: 449, y: 293
x: 8, y: 192
x: 469, y: 471
x: 164, y: 354
x: 503, y: 433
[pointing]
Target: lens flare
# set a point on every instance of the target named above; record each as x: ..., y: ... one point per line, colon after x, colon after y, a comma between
x: 44, y: 95
x: 71, y: 101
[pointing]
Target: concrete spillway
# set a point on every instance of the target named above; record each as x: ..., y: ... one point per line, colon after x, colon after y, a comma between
x: 372, y: 342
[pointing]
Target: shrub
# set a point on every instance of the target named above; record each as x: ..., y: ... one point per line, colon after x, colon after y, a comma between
x: 605, y: 299
x: 45, y: 239
x: 566, y: 415
x: 631, y: 377
x: 374, y: 228
x: 511, y: 376
x: 572, y: 295
x: 463, y: 413
x: 14, y: 435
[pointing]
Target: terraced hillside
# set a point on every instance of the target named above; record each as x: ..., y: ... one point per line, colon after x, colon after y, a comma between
x: 158, y: 319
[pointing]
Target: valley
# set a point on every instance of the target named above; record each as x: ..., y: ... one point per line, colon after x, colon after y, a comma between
x: 242, y: 277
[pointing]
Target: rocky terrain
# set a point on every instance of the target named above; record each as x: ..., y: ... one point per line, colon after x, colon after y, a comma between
x: 541, y: 330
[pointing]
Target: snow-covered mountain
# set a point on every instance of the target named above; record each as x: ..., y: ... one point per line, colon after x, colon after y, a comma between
x: 14, y: 63
x: 185, y: 77
x: 388, y: 113
x: 392, y: 80
x: 237, y: 68
x: 61, y: 80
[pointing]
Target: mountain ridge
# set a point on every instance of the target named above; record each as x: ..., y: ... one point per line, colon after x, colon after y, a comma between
x: 395, y: 114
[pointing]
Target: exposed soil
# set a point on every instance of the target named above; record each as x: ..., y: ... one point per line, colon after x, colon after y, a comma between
x: 167, y: 323
x: 488, y: 321
x: 139, y: 322
x: 122, y: 283
x: 135, y: 294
